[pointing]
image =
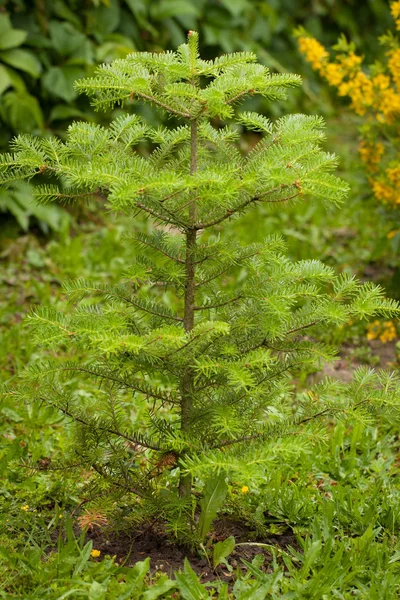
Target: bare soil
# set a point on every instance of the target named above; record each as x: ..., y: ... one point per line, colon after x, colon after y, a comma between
x: 130, y: 547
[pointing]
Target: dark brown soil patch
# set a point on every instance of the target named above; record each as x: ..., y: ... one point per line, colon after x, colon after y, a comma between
x: 167, y: 557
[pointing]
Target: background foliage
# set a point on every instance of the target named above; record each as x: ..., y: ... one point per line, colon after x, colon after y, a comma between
x: 47, y: 45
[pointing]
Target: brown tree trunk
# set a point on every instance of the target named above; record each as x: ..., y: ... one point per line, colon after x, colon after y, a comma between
x: 187, y: 382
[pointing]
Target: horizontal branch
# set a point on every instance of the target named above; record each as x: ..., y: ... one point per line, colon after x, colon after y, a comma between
x: 162, y: 218
x: 240, y: 95
x: 205, y: 281
x: 123, y: 383
x: 193, y: 339
x: 303, y: 326
x: 147, y: 243
x: 210, y: 306
x: 174, y: 111
x: 78, y: 419
x: 154, y: 312
x: 259, y: 198
x: 112, y: 481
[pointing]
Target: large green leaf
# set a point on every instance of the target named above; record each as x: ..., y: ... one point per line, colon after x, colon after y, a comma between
x: 65, y: 38
x: 171, y: 8
x: 137, y: 575
x: 65, y: 111
x: 5, y: 24
x: 19, y: 201
x: 23, y: 60
x: 106, y: 18
x: 223, y: 549
x: 214, y: 494
x: 158, y: 589
x: 5, y: 80
x: 9, y: 204
x: 235, y: 7
x: 97, y: 591
x: 17, y: 81
x: 12, y: 38
x: 189, y: 584
x: 83, y: 558
x: 22, y: 111
x: 59, y: 81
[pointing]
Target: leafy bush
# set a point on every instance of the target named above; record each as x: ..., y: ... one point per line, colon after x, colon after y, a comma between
x: 202, y: 366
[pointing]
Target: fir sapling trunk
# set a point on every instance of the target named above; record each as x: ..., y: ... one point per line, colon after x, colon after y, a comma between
x: 188, y: 319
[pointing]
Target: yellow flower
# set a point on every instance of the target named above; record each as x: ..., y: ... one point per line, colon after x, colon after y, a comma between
x: 389, y: 104
x: 25, y: 507
x: 374, y: 330
x: 245, y: 489
x: 394, y: 66
x: 395, y: 10
x: 371, y: 154
x: 382, y: 191
x: 381, y: 81
x: 389, y: 332
x: 350, y: 61
x: 386, y: 332
x: 361, y: 93
x: 314, y: 52
x: 95, y: 553
x: 392, y: 233
x: 334, y: 74
x: 360, y: 90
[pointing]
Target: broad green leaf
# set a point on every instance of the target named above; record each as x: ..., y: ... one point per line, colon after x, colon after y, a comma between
x: 12, y: 38
x: 214, y: 494
x: 161, y: 587
x: 106, y: 17
x: 312, y: 554
x: 118, y: 47
x: 223, y: 549
x: 189, y: 584
x: 5, y: 24
x: 257, y: 592
x: 139, y: 9
x: 140, y: 571
x: 223, y: 593
x: 5, y: 80
x: 12, y: 206
x: 395, y: 558
x: 62, y: 11
x: 83, y: 558
x: 23, y: 60
x: 65, y: 38
x: 97, y: 591
x: 17, y: 81
x: 22, y: 111
x: 59, y: 81
x: 65, y: 111
x: 171, y: 8
x: 236, y: 7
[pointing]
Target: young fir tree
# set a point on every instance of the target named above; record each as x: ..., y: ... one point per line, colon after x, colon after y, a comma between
x: 210, y: 361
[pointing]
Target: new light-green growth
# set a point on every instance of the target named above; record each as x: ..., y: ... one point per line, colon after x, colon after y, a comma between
x: 195, y: 346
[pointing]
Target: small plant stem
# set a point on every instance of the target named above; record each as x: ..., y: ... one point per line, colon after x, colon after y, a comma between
x: 187, y: 382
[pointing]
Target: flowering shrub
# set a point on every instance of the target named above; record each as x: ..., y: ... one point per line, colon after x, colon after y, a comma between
x: 385, y: 331
x: 374, y: 94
